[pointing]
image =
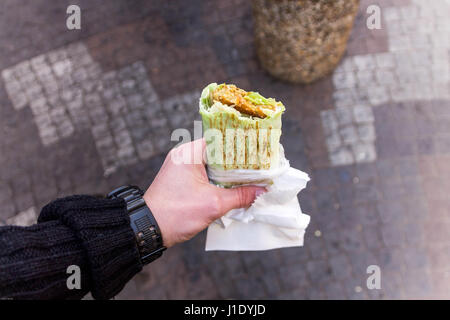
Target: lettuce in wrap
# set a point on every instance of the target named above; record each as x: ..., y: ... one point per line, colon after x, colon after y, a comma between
x: 242, y: 129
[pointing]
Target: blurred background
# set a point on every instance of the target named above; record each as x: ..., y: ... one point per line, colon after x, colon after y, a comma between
x: 85, y: 111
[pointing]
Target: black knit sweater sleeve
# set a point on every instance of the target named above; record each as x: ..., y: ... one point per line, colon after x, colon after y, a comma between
x: 93, y: 234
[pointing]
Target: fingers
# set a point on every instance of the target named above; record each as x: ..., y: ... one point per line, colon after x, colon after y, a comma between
x: 241, y: 197
x: 199, y: 150
x: 189, y: 153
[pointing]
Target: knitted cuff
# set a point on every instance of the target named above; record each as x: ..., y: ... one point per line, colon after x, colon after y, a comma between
x: 103, y: 227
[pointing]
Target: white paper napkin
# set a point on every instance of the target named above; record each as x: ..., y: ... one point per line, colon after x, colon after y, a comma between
x: 274, y: 220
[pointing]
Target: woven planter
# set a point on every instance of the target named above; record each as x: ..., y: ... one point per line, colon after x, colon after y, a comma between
x: 301, y: 41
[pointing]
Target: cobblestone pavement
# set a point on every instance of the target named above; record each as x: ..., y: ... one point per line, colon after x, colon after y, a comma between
x: 86, y: 111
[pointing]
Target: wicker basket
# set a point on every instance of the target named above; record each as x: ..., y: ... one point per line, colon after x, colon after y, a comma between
x: 300, y: 41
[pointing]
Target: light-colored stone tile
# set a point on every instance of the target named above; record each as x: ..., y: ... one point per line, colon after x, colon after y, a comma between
x: 127, y: 155
x: 420, y: 41
x: 409, y: 13
x: 16, y: 94
x: 344, y: 116
x: 128, y: 86
x: 399, y: 42
x: 39, y: 106
x: 333, y: 142
x: 391, y: 14
x: 22, y: 69
x: 79, y: 75
x: 145, y: 149
x: 363, y: 114
x: 385, y: 60
x: 105, y: 144
x: 24, y: 219
x: 343, y: 80
x: 19, y: 101
x: 28, y: 79
x: 57, y: 55
x: 161, y: 139
x: 51, y: 86
x: 100, y: 131
x: 385, y: 77
x: 346, y: 65
x: 341, y: 157
x: 135, y: 101
x: 33, y: 91
x: 378, y: 95
x: 366, y: 132
x: 8, y: 75
x: 159, y: 120
x: 365, y: 77
x: 425, y: 12
x: 344, y: 97
x: 76, y: 49
x: 364, y: 62
x: 122, y: 137
x: 395, y: 28
x: 348, y: 134
x: 117, y: 106
x: 38, y: 61
x: 364, y: 152
x: 329, y: 121
x: 82, y: 60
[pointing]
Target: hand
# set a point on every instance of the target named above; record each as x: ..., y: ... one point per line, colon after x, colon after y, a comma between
x: 183, y: 201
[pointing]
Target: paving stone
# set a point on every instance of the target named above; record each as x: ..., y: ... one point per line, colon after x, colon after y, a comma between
x: 352, y: 240
x: 319, y: 272
x: 294, y: 255
x: 293, y: 277
x: 372, y: 237
x: 385, y: 60
x: 364, y: 152
x: 366, y: 172
x: 391, y: 212
x: 250, y: 287
x: 365, y: 76
x: 341, y: 157
x: 340, y: 266
x: 334, y: 291
x: 354, y: 289
x: 8, y: 210
x: 315, y: 293
x: 271, y: 284
x: 392, y: 235
x: 24, y: 218
x: 344, y: 80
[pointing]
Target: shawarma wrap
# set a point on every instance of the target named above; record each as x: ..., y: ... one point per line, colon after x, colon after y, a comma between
x: 242, y: 128
x: 242, y: 132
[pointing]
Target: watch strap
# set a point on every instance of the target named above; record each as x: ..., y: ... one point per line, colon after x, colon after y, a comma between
x: 146, y: 229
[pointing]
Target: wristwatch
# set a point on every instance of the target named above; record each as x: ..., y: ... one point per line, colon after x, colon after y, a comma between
x: 146, y: 230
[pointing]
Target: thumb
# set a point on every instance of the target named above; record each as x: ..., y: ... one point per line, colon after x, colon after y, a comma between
x: 241, y: 197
